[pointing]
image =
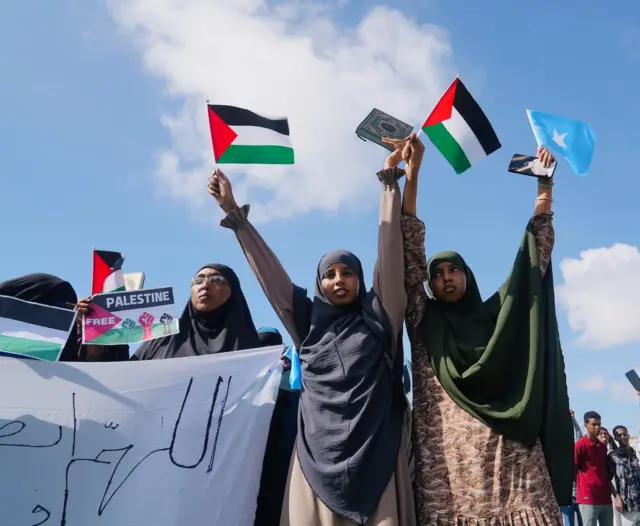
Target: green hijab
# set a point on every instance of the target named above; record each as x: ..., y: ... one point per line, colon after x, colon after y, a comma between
x: 501, y: 361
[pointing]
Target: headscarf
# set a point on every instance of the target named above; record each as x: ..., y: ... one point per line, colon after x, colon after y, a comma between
x: 501, y: 360
x: 44, y: 289
x: 349, y: 421
x: 49, y: 290
x: 227, y: 328
x: 269, y: 336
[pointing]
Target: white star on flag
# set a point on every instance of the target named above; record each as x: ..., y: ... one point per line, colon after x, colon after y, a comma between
x: 559, y: 139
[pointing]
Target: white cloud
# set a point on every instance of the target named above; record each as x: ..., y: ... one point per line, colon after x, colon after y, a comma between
x: 600, y: 293
x: 624, y: 392
x: 292, y: 59
x: 593, y: 383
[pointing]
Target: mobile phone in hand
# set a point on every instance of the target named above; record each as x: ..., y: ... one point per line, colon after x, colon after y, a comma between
x: 633, y: 377
x: 530, y: 165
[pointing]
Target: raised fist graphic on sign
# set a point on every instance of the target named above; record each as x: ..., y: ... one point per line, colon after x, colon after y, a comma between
x: 166, y: 320
x: 129, y: 326
x: 146, y: 320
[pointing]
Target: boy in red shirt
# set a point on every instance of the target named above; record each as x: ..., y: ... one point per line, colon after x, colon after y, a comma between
x: 594, y: 488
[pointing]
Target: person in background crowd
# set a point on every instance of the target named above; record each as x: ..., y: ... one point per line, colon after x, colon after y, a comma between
x: 487, y: 447
x: 572, y: 511
x: 348, y: 466
x: 605, y: 437
x: 624, y: 468
x: 594, y: 488
x: 215, y: 319
x: 282, y: 436
x: 50, y: 290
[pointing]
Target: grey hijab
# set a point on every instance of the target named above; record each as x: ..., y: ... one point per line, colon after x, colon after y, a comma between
x: 350, y: 414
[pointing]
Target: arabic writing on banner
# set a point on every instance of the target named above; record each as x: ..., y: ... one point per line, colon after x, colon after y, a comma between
x: 130, y: 317
x: 161, y: 442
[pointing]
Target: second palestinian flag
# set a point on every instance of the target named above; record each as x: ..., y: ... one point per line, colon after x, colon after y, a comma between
x: 459, y: 129
x: 240, y: 136
x: 107, y: 272
x: 33, y: 330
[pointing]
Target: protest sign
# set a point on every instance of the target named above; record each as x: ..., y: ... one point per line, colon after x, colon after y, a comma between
x: 161, y: 442
x: 130, y: 317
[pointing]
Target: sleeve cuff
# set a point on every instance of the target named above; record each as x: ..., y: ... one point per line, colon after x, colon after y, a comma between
x: 388, y: 176
x: 236, y: 218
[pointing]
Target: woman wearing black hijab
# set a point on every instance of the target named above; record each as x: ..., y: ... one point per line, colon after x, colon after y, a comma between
x: 50, y: 290
x: 348, y: 466
x: 215, y: 319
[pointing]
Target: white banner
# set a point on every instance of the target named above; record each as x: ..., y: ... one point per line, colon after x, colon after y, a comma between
x: 175, y: 442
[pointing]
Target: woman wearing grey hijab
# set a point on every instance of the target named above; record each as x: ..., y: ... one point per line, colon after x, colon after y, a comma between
x: 348, y: 466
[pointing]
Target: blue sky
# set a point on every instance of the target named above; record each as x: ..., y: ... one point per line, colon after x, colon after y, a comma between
x: 103, y: 144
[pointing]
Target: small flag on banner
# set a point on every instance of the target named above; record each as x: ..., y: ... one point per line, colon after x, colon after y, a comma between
x: 107, y: 272
x: 34, y: 330
x: 573, y: 140
x: 240, y: 136
x: 459, y: 129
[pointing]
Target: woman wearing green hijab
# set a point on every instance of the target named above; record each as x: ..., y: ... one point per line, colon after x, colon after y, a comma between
x: 492, y: 435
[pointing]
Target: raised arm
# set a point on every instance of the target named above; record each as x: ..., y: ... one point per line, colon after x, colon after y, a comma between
x: 388, y: 274
x: 542, y: 216
x: 271, y: 275
x: 413, y: 237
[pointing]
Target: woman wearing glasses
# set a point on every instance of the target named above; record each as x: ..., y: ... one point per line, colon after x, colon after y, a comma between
x: 215, y: 319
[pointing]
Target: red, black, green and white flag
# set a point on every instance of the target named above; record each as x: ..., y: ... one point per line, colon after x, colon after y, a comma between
x: 459, y: 129
x: 107, y: 272
x: 240, y: 136
x: 33, y: 330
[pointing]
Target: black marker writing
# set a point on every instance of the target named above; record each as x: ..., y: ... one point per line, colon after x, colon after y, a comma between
x: 111, y: 425
x: 40, y: 509
x: 215, y: 441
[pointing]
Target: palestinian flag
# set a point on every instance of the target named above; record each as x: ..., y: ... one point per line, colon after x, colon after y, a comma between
x: 459, y: 128
x: 33, y: 330
x: 240, y: 136
x: 107, y: 272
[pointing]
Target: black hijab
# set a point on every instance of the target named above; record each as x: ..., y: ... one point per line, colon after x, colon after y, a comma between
x: 269, y: 336
x: 350, y: 417
x: 227, y: 328
x: 50, y: 290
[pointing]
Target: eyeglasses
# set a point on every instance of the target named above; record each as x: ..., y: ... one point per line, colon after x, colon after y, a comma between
x: 215, y: 279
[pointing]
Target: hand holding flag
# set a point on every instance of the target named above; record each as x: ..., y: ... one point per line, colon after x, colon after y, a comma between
x: 573, y: 140
x: 220, y: 189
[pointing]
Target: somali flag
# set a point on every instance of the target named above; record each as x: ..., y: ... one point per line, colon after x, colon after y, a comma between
x: 573, y: 140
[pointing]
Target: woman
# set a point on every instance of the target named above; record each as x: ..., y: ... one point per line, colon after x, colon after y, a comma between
x: 215, y: 319
x: 492, y: 434
x: 348, y: 466
x: 50, y: 290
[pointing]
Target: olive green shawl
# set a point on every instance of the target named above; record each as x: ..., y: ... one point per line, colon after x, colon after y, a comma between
x: 501, y: 361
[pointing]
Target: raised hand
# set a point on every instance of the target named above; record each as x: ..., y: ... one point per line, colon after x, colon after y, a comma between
x: 398, y: 154
x: 166, y: 320
x: 220, y: 189
x: 128, y: 325
x: 545, y: 156
x: 146, y: 321
x: 413, y: 153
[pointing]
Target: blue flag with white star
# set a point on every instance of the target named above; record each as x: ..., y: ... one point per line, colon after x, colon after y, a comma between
x: 573, y: 140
